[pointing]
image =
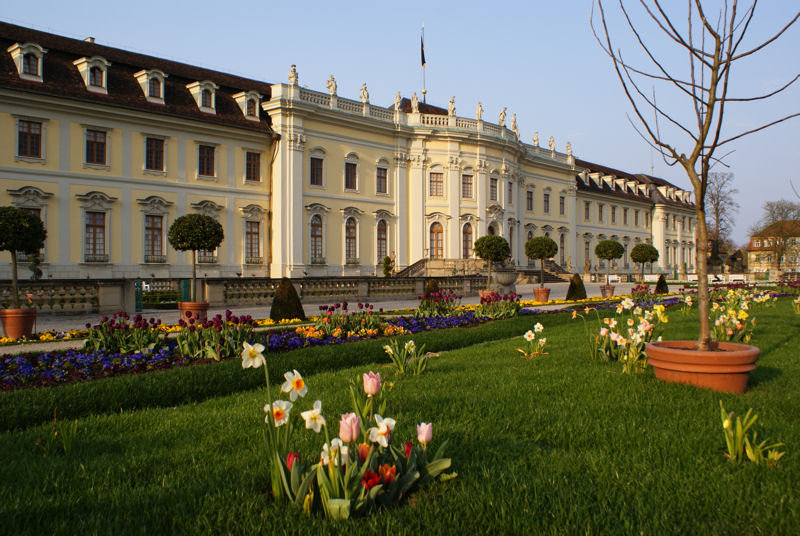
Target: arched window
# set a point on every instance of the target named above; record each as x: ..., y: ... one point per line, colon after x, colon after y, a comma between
x: 154, y: 88
x: 96, y: 77
x: 316, y: 239
x: 437, y: 241
x: 350, y: 251
x: 30, y: 64
x: 205, y: 98
x: 561, y: 248
x: 466, y: 241
x: 251, y: 107
x: 491, y: 230
x: 381, y: 240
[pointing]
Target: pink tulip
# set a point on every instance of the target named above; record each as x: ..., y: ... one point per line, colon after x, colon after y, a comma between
x: 372, y: 383
x: 424, y: 433
x: 348, y: 428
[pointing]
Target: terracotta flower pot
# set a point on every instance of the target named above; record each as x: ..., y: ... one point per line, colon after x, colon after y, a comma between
x: 541, y: 294
x: 198, y: 309
x: 725, y: 367
x: 606, y: 291
x: 18, y: 322
x: 485, y: 293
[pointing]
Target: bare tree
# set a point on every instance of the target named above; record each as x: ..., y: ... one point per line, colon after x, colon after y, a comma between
x: 779, y: 226
x: 712, y: 46
x: 720, y: 210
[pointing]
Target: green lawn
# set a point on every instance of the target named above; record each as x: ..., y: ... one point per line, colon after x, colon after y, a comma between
x: 555, y: 445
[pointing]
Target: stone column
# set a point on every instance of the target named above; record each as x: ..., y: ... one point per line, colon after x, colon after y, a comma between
x: 658, y: 229
x: 400, y: 230
x: 416, y: 207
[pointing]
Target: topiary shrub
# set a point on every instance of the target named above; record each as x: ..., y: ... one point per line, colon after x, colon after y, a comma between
x: 286, y: 303
x: 661, y: 285
x: 644, y: 253
x: 20, y: 232
x: 541, y: 247
x: 576, y: 290
x: 609, y: 250
x: 431, y: 286
x: 492, y: 248
x: 388, y: 266
x: 194, y: 232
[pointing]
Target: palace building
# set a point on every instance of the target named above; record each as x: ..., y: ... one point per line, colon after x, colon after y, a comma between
x: 109, y: 147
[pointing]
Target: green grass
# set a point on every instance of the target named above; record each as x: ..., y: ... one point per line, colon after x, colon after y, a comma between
x: 557, y: 445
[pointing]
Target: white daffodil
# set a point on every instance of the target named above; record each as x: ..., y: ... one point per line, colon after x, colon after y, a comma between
x: 637, y: 311
x: 388, y: 349
x: 538, y: 328
x: 280, y: 412
x: 619, y: 309
x: 252, y: 356
x: 313, y: 417
x: 336, y: 446
x: 542, y: 341
x: 628, y: 304
x: 294, y: 385
x: 529, y: 336
x: 410, y: 347
x: 383, y: 432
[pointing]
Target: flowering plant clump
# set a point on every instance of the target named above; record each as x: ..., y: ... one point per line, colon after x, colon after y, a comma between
x: 437, y: 303
x: 731, y: 316
x: 534, y: 347
x: 494, y: 305
x: 686, y: 305
x: 641, y: 292
x: 335, y: 320
x: 217, y: 338
x: 355, y: 472
x: 623, y: 337
x: 739, y: 444
x: 407, y: 358
x: 123, y: 334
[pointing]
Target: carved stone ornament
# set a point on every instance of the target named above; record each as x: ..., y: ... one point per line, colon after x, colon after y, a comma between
x: 331, y: 85
x: 253, y: 212
x: 414, y: 103
x: 29, y: 197
x: 207, y: 208
x: 293, y: 75
x: 95, y: 200
x: 155, y: 205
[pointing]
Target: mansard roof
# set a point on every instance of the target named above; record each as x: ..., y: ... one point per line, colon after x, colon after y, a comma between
x: 62, y: 79
x: 405, y: 106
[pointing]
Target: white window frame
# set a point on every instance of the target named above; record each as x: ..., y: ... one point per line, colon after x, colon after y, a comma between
x: 260, y: 178
x: 107, y: 165
x: 155, y: 206
x: 42, y: 149
x: 241, y: 99
x: 317, y: 152
x: 351, y: 158
x: 346, y: 216
x: 215, y: 176
x: 197, y: 88
x: 96, y: 201
x: 383, y: 163
x: 18, y: 52
x: 85, y: 65
x: 144, y: 76
x: 253, y: 214
x: 165, y: 139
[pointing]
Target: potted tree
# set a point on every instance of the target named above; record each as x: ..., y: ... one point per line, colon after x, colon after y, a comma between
x: 608, y: 250
x: 20, y: 232
x: 194, y: 232
x: 541, y: 247
x: 493, y: 248
x: 642, y: 253
x: 714, y: 46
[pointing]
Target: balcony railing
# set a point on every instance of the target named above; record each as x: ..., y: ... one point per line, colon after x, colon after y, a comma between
x: 207, y: 259
x: 254, y: 260
x: 351, y: 260
x: 317, y: 260
x: 155, y: 259
x: 95, y: 257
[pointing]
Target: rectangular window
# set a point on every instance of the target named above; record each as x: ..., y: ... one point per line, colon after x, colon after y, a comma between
x: 529, y: 201
x: 437, y: 185
x: 562, y: 205
x: 153, y: 233
x: 636, y: 218
x: 492, y: 189
x: 350, y: 176
x: 154, y: 154
x: 95, y: 237
x: 29, y: 139
x: 252, y: 167
x: 586, y: 210
x: 624, y: 216
x: 510, y: 194
x: 381, y: 182
x: 252, y: 242
x: 466, y: 186
x: 205, y: 160
x: 600, y: 212
x: 647, y: 219
x: 673, y: 222
x: 96, y: 147
x: 546, y: 202
x: 316, y: 171
x: 613, y: 214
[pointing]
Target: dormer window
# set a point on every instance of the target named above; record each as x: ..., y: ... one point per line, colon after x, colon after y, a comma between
x: 28, y: 60
x: 93, y: 71
x: 248, y: 103
x: 152, y: 83
x: 204, y: 94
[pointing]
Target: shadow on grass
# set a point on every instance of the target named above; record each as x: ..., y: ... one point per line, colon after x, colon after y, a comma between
x: 763, y: 374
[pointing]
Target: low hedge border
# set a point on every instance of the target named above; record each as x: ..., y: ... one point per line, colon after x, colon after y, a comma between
x: 30, y: 407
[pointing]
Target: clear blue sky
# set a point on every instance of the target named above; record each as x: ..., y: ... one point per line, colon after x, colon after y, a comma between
x: 537, y: 58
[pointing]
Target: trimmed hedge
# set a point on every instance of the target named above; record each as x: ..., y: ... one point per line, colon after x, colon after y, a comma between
x: 30, y: 407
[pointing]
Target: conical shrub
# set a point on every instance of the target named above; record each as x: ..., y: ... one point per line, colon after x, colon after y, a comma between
x: 576, y: 290
x: 286, y: 303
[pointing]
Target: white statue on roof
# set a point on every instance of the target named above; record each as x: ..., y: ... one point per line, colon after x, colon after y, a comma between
x: 397, y: 100
x: 331, y: 85
x: 501, y: 119
x: 552, y: 144
x: 293, y: 75
x: 569, y: 149
x: 451, y: 106
x: 414, y: 103
x: 536, y: 139
x: 479, y: 111
x: 364, y: 93
x: 514, y: 124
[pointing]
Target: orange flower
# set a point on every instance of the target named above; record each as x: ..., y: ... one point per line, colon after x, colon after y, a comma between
x: 388, y: 473
x: 363, y: 451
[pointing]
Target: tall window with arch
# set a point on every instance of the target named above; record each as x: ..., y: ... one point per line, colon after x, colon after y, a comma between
x: 382, y: 240
x: 316, y: 239
x: 350, y: 233
x: 561, y: 243
x: 466, y: 241
x: 437, y: 241
x: 511, y: 240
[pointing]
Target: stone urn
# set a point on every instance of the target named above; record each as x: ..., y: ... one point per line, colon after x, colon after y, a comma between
x: 505, y: 277
x: 725, y: 366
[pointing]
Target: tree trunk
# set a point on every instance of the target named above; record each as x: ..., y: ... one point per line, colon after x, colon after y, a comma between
x: 194, y: 275
x: 641, y: 277
x: 541, y: 277
x: 704, y: 336
x: 14, y: 287
x: 489, y: 277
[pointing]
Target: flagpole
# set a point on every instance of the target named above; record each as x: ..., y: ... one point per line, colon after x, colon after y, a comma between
x: 424, y: 91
